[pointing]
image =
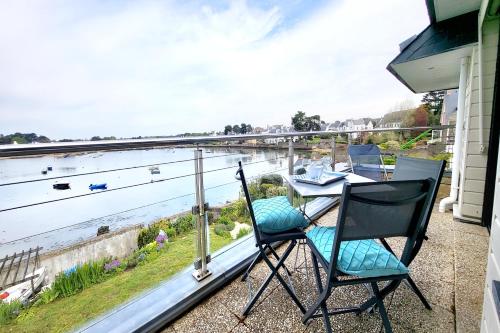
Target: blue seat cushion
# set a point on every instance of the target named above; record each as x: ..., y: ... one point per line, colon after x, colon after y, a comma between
x: 364, y: 258
x: 275, y: 215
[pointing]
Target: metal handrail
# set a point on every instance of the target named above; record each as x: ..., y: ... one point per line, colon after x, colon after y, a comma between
x: 13, y: 150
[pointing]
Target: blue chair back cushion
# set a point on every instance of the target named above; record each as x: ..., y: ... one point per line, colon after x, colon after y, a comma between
x: 364, y: 258
x: 275, y: 215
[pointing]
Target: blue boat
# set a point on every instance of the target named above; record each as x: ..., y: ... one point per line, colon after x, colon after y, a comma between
x: 103, y: 186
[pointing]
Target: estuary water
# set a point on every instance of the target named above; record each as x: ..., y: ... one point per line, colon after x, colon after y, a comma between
x: 61, y: 223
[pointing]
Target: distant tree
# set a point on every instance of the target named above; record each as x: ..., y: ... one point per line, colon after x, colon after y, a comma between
x: 249, y: 128
x: 299, y: 121
x: 228, y: 129
x: 43, y: 139
x: 313, y: 123
x: 434, y: 101
x: 236, y: 129
x: 243, y: 127
x: 95, y: 138
x: 66, y: 140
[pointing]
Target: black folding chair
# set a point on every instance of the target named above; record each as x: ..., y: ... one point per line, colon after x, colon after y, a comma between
x: 368, y: 211
x: 366, y: 161
x: 264, y: 242
x: 408, y: 168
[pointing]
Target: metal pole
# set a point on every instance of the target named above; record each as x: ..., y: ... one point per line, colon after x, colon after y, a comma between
x: 290, y: 169
x: 334, y: 146
x: 349, y: 139
x: 201, y: 270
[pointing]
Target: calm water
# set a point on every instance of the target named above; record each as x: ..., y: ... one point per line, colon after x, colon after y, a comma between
x: 78, y: 219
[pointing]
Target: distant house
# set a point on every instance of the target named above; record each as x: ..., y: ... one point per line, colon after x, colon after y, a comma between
x: 357, y: 125
x: 393, y: 119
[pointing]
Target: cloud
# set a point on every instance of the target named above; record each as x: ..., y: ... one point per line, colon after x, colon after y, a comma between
x: 150, y: 68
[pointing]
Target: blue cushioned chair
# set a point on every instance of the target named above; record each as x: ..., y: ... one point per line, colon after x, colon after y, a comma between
x: 368, y: 211
x: 274, y: 220
x: 409, y: 168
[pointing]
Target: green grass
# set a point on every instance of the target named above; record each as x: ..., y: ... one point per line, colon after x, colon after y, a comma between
x: 64, y: 314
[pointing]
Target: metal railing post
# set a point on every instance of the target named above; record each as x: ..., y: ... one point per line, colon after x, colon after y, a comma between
x: 334, y: 147
x: 349, y: 139
x: 290, y: 169
x: 200, y: 212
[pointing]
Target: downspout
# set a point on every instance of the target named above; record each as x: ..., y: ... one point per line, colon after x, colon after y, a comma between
x: 480, y: 82
x: 462, y: 87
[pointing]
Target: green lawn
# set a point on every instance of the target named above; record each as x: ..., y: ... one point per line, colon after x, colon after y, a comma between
x: 66, y: 313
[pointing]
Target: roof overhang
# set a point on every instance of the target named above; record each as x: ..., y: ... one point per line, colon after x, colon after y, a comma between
x: 440, y: 10
x: 431, y: 61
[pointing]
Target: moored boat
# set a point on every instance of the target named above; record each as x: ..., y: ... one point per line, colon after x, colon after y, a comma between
x: 61, y: 186
x: 103, y: 186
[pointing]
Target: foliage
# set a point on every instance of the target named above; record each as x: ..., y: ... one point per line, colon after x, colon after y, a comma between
x: 23, y: 138
x: 390, y: 145
x: 46, y: 296
x: 183, y: 223
x: 443, y: 157
x: 273, y: 179
x: 149, y: 233
x: 417, y: 117
x: 236, y: 129
x: 314, y: 140
x: 228, y: 129
x: 389, y: 160
x: 374, y: 139
x: 67, y: 313
x: 301, y: 122
x: 263, y: 191
x: 225, y: 220
x: 434, y: 101
x: 9, y: 311
x: 243, y: 232
x: 72, y: 281
x: 221, y: 230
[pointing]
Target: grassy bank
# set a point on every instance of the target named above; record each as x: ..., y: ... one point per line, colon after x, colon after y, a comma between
x: 66, y: 313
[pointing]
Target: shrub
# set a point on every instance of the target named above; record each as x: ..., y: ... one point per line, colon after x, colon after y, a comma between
x: 9, y: 311
x: 183, y: 224
x: 210, y: 217
x: 390, y: 145
x: 442, y: 157
x: 171, y: 233
x: 389, y: 160
x: 276, y: 191
x: 224, y: 220
x: 243, y: 232
x: 221, y: 230
x: 147, y: 235
x: 272, y: 179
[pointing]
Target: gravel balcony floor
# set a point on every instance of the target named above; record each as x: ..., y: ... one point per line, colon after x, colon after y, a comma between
x: 450, y: 271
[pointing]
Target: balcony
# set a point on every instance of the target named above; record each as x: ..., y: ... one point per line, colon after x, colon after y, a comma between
x: 450, y: 269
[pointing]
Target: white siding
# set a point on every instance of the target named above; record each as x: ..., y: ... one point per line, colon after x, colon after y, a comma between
x: 473, y: 165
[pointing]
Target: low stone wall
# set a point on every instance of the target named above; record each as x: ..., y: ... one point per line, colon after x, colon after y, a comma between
x: 120, y: 243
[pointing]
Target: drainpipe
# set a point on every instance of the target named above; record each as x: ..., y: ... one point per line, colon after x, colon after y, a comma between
x: 480, y: 83
x: 464, y: 66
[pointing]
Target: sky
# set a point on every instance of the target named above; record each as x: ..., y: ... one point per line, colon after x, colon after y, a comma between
x: 75, y: 69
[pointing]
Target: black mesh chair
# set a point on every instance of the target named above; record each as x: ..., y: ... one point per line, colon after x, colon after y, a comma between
x: 367, y: 161
x: 408, y: 168
x: 264, y: 243
x: 368, y: 211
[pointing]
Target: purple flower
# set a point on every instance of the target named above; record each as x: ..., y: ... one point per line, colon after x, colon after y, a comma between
x: 111, y: 265
x: 160, y: 239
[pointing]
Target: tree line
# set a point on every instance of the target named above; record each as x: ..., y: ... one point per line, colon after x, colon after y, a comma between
x: 23, y: 138
x: 238, y: 129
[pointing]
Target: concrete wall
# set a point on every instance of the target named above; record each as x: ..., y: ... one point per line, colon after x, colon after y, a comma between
x: 473, y: 165
x: 120, y: 243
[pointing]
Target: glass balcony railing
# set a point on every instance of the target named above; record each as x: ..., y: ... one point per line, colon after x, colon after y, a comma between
x: 112, y: 220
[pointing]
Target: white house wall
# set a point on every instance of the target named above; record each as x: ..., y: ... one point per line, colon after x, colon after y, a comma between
x: 473, y: 161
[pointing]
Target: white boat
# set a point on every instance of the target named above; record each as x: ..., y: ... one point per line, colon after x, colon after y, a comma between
x: 154, y: 170
x: 22, y: 291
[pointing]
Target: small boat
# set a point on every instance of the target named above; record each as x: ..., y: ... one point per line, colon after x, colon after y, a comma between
x: 154, y: 170
x: 49, y: 168
x: 44, y: 171
x: 103, y: 186
x: 22, y: 291
x: 61, y: 186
